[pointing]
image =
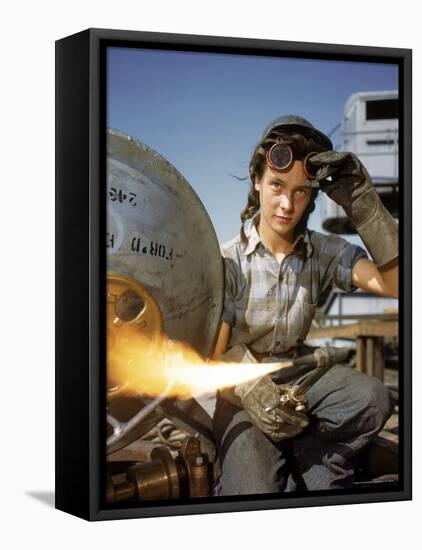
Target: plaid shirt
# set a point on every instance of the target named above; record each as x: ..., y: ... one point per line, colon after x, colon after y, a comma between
x: 270, y: 306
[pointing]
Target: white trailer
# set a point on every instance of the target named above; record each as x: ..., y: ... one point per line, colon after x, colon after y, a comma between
x: 370, y: 130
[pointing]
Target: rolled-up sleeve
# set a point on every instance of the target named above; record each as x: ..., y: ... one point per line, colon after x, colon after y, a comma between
x: 338, y: 257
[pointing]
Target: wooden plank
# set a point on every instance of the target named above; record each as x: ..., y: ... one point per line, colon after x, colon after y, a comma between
x: 360, y: 354
x: 359, y: 317
x: 382, y: 455
x: 365, y: 328
x: 369, y: 356
x: 379, y: 358
x: 387, y: 440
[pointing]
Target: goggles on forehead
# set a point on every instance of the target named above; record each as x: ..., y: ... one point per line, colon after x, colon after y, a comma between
x: 280, y: 157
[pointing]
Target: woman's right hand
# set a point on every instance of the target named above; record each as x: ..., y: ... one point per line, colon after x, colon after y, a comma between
x: 261, y: 399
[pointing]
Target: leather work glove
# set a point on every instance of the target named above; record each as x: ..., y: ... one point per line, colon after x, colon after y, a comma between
x: 280, y: 422
x: 352, y: 188
x: 255, y: 396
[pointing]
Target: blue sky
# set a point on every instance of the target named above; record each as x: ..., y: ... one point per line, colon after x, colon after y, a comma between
x: 205, y: 112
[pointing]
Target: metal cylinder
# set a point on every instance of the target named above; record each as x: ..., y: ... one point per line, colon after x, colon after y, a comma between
x: 151, y: 213
x: 188, y: 475
x: 199, y: 479
x: 156, y: 480
x: 119, y: 492
x: 150, y: 481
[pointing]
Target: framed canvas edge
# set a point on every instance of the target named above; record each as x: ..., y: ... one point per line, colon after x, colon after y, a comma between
x: 72, y: 303
x: 99, y: 38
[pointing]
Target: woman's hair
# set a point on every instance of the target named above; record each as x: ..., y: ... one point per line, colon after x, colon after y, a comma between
x: 300, y: 146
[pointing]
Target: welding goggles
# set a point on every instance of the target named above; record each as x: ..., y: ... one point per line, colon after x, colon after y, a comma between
x: 280, y: 157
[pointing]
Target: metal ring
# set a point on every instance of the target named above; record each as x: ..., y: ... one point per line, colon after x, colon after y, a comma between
x: 305, y: 160
x: 270, y: 152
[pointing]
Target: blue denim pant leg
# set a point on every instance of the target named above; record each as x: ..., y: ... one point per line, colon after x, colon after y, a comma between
x: 251, y: 463
x: 347, y: 408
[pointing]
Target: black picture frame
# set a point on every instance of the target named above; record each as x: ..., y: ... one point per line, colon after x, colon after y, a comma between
x: 80, y: 267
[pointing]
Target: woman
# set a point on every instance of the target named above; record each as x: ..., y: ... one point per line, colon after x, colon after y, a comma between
x: 276, y: 273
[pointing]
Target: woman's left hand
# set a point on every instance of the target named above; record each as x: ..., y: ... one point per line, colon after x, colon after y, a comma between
x: 351, y: 186
x: 349, y: 181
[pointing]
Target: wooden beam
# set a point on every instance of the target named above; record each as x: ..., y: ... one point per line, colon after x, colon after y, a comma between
x: 370, y: 356
x: 382, y: 455
x: 361, y: 354
x: 379, y: 358
x: 354, y: 330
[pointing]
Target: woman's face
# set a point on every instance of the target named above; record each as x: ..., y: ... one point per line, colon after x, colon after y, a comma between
x: 284, y: 197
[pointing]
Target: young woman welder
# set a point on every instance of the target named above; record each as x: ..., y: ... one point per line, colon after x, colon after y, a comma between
x: 276, y: 272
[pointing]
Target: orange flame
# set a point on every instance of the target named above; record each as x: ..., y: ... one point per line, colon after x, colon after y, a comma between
x: 137, y: 364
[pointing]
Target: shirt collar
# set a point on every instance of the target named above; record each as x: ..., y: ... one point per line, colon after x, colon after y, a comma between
x: 251, y: 238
